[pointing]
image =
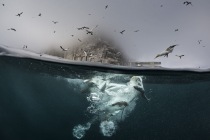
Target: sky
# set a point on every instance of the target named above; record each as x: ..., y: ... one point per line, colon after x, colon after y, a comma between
x: 156, y: 21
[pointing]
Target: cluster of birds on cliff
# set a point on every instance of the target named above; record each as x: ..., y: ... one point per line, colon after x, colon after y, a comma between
x: 89, y: 31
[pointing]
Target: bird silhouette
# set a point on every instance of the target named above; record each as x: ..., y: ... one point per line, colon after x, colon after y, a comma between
x: 122, y: 31
x: 25, y: 46
x: 19, y: 14
x: 63, y: 48
x: 167, y: 51
x: 136, y: 30
x: 106, y: 6
x: 176, y: 30
x: 40, y: 15
x: 79, y: 40
x: 180, y: 56
x: 12, y: 29
x: 89, y: 32
x: 3, y: 4
x: 187, y: 3
x: 199, y: 41
x: 55, y: 22
x: 54, y: 31
x: 72, y: 35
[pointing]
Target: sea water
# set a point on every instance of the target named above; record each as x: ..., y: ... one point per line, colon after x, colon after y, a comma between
x: 42, y: 100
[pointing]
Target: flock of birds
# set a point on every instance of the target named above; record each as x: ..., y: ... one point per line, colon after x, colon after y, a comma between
x: 90, y: 31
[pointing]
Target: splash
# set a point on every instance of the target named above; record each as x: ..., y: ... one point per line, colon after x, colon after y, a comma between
x: 111, y: 101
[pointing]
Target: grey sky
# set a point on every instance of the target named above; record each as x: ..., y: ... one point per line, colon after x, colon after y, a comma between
x: 156, y: 26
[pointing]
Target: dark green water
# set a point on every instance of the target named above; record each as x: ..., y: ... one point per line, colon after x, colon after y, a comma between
x: 37, y: 103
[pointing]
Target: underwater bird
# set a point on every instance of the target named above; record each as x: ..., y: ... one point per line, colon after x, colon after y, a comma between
x: 106, y: 6
x: 122, y: 31
x: 199, y: 41
x: 167, y: 51
x: 19, y: 14
x: 180, y: 56
x: 12, y: 29
x: 55, y: 22
x: 176, y: 30
x: 63, y: 48
x: 187, y: 3
x: 40, y: 14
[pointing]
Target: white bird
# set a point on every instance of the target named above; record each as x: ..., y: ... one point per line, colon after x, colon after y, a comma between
x: 63, y: 48
x: 167, y: 51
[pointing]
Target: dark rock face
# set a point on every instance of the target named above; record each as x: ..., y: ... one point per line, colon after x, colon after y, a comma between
x: 99, y: 51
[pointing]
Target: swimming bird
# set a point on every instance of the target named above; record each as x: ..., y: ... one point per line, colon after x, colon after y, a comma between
x: 176, y: 30
x: 187, y: 3
x: 63, y: 48
x: 136, y: 30
x: 19, y: 14
x: 72, y: 35
x: 40, y: 14
x: 106, y: 6
x: 12, y: 29
x: 55, y: 22
x: 167, y: 51
x: 180, y: 56
x: 3, y: 4
x: 54, y: 31
x: 122, y: 31
x: 199, y: 41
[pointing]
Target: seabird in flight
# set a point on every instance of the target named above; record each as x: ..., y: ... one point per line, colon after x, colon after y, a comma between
x: 12, y: 29
x: 91, y: 31
x: 25, y: 46
x: 63, y: 48
x: 106, y: 6
x: 79, y: 40
x: 167, y: 51
x: 55, y: 22
x: 187, y: 3
x: 19, y: 14
x: 180, y: 56
x: 122, y: 31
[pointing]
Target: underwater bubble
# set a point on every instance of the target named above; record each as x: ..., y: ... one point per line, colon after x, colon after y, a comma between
x: 108, y: 128
x: 79, y: 130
